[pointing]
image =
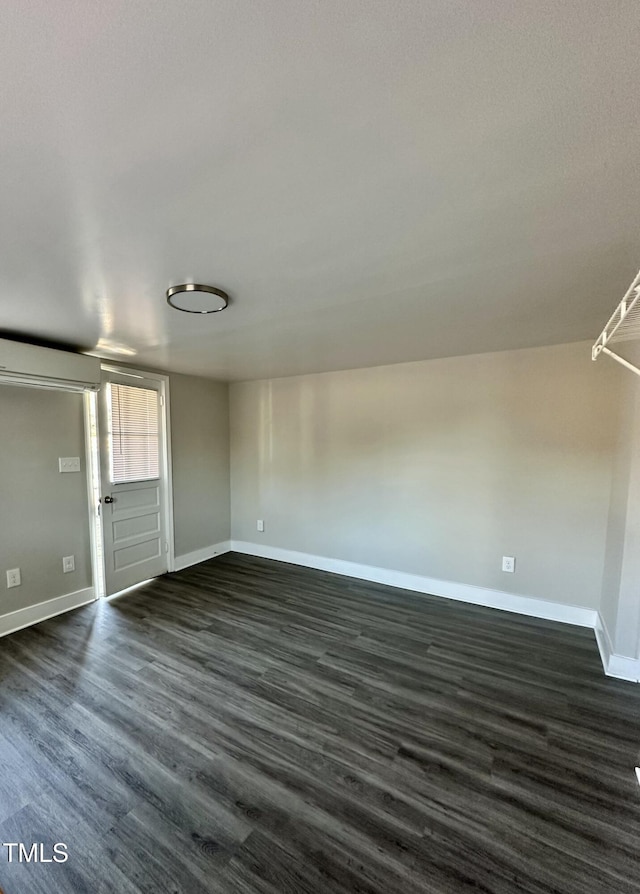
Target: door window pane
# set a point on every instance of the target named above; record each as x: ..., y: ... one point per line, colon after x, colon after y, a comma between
x: 134, y: 445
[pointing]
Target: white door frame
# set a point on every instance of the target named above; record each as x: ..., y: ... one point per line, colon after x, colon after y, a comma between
x: 92, y: 462
x: 94, y: 485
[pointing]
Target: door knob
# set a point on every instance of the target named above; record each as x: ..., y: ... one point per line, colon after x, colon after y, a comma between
x: 108, y: 500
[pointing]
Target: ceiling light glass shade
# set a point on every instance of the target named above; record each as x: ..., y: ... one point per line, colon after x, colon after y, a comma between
x: 197, y: 299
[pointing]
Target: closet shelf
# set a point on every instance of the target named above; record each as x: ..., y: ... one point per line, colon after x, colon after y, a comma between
x: 623, y: 325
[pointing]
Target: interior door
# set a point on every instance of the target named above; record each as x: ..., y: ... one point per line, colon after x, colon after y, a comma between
x: 133, y: 485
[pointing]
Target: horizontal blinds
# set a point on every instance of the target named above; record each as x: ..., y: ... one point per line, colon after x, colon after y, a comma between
x: 134, y: 435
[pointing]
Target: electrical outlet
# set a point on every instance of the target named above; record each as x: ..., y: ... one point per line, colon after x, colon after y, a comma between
x: 260, y: 524
x: 69, y: 564
x: 13, y: 578
x: 508, y: 564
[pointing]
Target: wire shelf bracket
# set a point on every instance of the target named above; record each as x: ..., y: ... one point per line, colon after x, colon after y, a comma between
x: 623, y: 325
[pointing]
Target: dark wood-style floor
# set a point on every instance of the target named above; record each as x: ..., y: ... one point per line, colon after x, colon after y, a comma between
x: 248, y: 726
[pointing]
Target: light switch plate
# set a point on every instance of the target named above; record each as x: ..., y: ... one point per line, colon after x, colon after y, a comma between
x: 69, y: 463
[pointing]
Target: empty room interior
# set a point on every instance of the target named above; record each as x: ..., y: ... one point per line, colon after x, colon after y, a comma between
x: 320, y: 447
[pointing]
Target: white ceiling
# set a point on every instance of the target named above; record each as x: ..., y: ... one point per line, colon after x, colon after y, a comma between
x: 372, y: 180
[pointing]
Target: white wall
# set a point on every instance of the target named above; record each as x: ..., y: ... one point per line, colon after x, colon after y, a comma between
x: 437, y: 468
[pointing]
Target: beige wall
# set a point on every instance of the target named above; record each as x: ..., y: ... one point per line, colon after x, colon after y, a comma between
x: 200, y: 454
x: 620, y: 606
x: 437, y: 468
x: 618, y: 509
x: 43, y: 514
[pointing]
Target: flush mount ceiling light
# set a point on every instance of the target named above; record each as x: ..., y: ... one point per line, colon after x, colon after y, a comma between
x: 197, y: 299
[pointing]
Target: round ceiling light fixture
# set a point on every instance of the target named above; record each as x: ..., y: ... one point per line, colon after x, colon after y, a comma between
x: 197, y: 299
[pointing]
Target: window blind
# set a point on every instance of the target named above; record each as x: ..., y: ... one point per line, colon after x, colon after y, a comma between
x: 134, y: 433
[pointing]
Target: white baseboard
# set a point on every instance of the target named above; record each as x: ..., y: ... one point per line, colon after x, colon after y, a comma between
x: 33, y: 614
x: 201, y: 555
x: 522, y: 605
x: 618, y: 666
x: 614, y: 665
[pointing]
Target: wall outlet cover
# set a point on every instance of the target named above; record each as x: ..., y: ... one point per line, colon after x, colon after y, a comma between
x: 509, y: 564
x: 68, y: 564
x: 260, y: 524
x: 14, y: 578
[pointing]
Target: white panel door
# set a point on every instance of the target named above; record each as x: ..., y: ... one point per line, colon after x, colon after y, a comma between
x: 133, y: 485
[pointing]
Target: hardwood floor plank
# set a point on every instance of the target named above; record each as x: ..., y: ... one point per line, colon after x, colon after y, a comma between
x: 250, y: 727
